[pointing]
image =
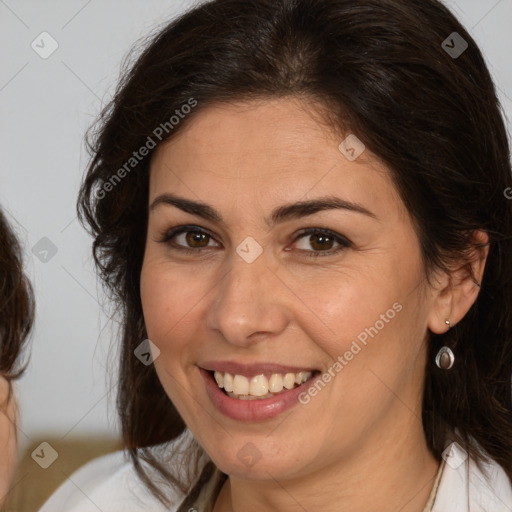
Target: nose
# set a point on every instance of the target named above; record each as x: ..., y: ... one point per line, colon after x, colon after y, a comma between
x: 250, y: 304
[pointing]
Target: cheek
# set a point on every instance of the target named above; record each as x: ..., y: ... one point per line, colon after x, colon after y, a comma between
x: 170, y: 302
x: 364, y: 318
x: 338, y: 306
x: 157, y: 303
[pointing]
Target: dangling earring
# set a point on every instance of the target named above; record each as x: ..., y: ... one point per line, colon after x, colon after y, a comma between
x: 445, y: 357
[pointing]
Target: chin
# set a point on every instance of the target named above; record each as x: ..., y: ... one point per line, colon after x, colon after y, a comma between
x: 253, y: 460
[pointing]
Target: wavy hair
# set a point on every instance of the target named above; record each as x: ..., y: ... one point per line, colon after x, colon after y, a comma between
x: 16, y: 304
x: 382, y: 70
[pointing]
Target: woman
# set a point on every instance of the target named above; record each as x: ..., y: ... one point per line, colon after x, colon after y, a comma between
x: 16, y: 317
x: 300, y: 208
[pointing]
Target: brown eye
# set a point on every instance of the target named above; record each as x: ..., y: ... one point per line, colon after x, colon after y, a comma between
x: 196, y: 239
x: 321, y: 242
x: 186, y: 238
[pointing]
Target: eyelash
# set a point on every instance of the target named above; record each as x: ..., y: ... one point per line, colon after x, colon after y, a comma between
x: 343, y: 242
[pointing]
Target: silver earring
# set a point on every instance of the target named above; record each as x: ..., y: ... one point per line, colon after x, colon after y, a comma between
x: 445, y: 358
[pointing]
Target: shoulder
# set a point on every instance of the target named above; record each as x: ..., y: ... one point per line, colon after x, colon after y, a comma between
x: 110, y: 484
x: 464, y: 487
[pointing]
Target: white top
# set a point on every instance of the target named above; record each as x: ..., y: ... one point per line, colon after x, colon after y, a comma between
x: 110, y: 484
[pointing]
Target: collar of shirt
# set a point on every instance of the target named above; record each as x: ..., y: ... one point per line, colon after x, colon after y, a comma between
x: 464, y: 487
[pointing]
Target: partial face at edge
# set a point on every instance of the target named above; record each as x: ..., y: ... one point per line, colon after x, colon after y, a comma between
x: 8, y: 443
x: 273, y: 301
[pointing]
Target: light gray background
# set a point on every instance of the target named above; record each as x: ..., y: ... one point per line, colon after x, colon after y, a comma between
x: 45, y: 107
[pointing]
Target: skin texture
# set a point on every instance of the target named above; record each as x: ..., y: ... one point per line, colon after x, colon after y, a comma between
x: 7, y: 438
x: 366, y: 439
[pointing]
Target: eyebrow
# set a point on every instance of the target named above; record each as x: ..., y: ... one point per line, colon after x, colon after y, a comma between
x: 280, y: 214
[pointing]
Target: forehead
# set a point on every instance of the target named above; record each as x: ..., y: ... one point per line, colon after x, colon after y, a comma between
x: 267, y: 151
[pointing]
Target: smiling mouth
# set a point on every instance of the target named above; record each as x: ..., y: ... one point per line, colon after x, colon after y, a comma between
x: 259, y: 387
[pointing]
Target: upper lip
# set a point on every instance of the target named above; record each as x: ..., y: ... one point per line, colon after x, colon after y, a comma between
x: 249, y: 370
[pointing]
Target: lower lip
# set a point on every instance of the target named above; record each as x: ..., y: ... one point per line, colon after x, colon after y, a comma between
x: 252, y: 410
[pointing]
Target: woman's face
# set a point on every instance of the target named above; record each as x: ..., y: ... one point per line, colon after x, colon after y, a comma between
x: 248, y: 289
x: 7, y: 438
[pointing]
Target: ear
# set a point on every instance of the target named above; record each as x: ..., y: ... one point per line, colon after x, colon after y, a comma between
x: 456, y: 292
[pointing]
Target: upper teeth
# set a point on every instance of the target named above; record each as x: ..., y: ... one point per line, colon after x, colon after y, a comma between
x: 259, y: 385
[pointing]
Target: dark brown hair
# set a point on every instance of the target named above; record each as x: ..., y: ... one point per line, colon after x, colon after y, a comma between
x: 16, y: 303
x: 381, y: 69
